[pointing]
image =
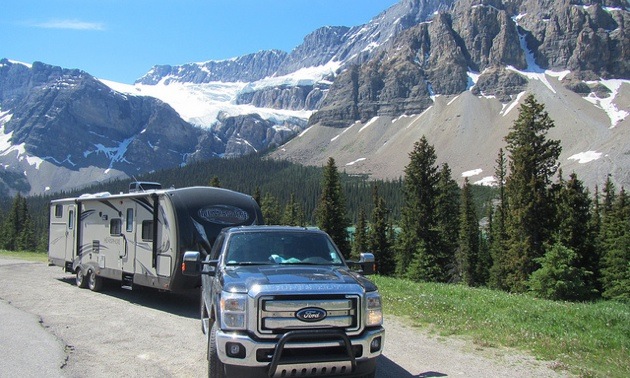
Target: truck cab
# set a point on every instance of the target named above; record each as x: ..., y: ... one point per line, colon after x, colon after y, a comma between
x: 279, y: 301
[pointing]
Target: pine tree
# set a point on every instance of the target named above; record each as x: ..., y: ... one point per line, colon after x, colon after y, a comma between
x: 215, y: 182
x: 615, y: 262
x: 270, y: 209
x: 533, y: 162
x: 447, y: 207
x: 17, y: 229
x: 379, y: 241
x: 497, y: 234
x: 560, y: 276
x: 360, y: 243
x: 293, y: 214
x: 331, y: 212
x: 468, y: 250
x: 574, y: 231
x: 418, y: 242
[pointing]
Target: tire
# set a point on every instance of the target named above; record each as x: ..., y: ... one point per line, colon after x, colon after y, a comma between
x: 94, y: 282
x: 80, y: 279
x: 216, y: 369
x: 206, y: 322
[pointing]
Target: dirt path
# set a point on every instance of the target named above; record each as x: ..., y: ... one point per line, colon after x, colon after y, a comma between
x: 149, y: 334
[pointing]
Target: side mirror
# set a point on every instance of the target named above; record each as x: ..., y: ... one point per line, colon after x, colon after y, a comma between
x: 368, y: 263
x: 191, y: 265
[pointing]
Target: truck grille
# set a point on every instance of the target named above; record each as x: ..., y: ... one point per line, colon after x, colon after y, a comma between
x: 279, y: 314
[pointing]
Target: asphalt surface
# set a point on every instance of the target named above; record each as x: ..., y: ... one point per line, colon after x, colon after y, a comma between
x: 51, y: 328
x: 27, y: 349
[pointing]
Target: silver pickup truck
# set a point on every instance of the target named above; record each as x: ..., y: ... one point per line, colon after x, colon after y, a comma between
x: 280, y: 301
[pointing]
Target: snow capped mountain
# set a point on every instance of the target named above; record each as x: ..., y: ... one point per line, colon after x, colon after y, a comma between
x: 453, y: 71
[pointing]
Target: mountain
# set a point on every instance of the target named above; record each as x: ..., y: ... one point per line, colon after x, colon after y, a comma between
x: 453, y: 71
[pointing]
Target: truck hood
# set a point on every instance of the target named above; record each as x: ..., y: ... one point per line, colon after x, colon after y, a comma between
x: 243, y: 278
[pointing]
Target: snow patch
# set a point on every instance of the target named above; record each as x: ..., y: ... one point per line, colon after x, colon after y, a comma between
x: 343, y: 132
x: 473, y: 172
x: 453, y: 100
x: 487, y: 181
x: 608, y: 104
x: 356, y: 161
x: 369, y: 123
x: 508, y: 107
x: 586, y: 157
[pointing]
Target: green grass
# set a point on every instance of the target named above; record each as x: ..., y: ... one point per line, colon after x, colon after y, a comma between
x: 586, y: 339
x: 29, y: 256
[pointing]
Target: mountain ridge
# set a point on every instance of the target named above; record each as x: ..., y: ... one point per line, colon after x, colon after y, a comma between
x: 400, y: 65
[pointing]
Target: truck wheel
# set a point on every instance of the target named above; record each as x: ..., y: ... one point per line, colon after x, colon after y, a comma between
x: 215, y: 366
x: 95, y: 283
x: 80, y: 279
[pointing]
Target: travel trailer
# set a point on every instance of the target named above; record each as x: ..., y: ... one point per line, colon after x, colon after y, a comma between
x: 139, y: 238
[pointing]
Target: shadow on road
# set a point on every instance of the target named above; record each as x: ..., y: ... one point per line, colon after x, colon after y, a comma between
x: 388, y: 368
x: 181, y: 304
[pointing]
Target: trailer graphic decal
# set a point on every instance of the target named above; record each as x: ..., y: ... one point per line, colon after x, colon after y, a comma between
x: 223, y: 214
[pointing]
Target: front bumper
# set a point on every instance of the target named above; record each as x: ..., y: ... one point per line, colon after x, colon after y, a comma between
x: 310, y: 352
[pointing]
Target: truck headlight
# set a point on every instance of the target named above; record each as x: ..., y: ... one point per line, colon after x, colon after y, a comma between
x: 374, y: 309
x: 233, y: 310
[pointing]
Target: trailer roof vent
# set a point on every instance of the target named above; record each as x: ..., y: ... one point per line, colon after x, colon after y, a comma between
x: 143, y: 186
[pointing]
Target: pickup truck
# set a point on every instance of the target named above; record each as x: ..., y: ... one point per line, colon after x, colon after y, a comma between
x: 280, y: 301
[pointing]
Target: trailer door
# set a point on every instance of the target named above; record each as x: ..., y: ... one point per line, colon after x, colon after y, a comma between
x: 128, y: 255
x: 61, y: 242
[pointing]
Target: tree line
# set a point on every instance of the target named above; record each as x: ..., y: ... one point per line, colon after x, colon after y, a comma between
x: 535, y: 232
x: 543, y: 233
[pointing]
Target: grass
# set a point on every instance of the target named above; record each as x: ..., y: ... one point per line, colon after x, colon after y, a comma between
x: 29, y: 256
x: 586, y: 339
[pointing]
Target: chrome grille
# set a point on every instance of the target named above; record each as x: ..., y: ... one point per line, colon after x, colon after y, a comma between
x: 278, y: 313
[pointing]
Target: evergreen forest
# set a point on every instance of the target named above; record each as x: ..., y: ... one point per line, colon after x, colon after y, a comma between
x: 536, y: 231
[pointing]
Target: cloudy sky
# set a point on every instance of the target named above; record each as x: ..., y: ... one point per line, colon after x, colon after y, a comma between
x: 121, y: 40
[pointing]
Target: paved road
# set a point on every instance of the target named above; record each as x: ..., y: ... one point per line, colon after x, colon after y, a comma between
x: 52, y: 328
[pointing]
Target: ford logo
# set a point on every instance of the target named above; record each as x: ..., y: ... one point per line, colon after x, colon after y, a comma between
x: 311, y: 314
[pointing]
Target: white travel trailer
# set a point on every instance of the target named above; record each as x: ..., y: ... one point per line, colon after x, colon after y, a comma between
x: 139, y: 238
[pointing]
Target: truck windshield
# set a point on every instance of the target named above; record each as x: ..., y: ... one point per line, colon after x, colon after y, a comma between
x: 260, y: 248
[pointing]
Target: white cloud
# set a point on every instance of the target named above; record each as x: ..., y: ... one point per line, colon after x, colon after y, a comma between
x: 70, y: 24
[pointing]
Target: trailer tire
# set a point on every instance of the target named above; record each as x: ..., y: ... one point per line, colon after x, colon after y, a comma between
x: 80, y: 279
x: 216, y: 369
x: 95, y: 283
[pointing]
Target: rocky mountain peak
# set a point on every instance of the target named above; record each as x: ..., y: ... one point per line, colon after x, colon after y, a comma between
x: 246, y: 68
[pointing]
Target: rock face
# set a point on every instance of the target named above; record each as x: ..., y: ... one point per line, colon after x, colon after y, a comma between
x: 300, y: 97
x: 579, y: 35
x: 246, y: 68
x: 69, y: 118
x: 483, y: 36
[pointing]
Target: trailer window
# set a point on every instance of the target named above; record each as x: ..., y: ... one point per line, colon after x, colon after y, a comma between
x: 71, y: 220
x: 115, y: 226
x: 129, y: 220
x: 147, y: 230
x: 58, y: 211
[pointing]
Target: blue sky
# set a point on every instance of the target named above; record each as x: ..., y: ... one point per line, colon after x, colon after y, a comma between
x: 121, y: 40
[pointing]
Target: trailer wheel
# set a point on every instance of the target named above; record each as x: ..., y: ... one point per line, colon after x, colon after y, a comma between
x: 216, y: 369
x: 80, y: 279
x: 95, y: 283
